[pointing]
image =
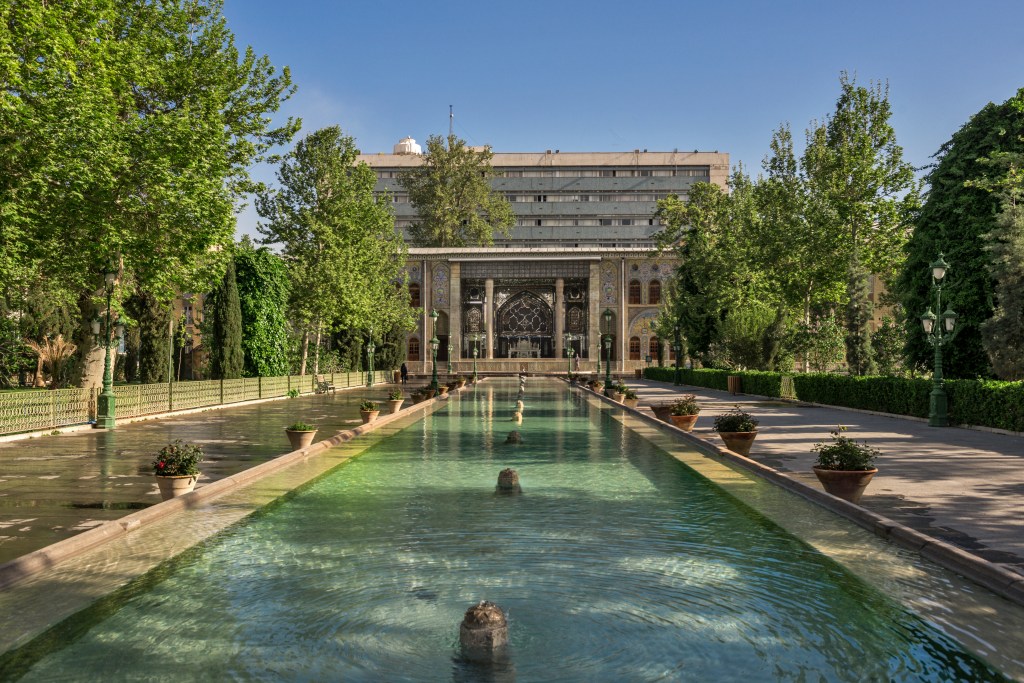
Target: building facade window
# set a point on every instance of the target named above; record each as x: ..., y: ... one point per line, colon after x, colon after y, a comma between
x: 414, y: 349
x: 654, y: 292
x: 652, y: 349
x: 634, y: 348
x: 634, y: 291
x: 414, y: 295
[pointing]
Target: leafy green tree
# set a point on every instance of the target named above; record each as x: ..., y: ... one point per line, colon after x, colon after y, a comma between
x: 888, y: 342
x: 452, y: 194
x: 345, y: 260
x: 954, y: 220
x: 128, y: 131
x: 869, y: 195
x: 1003, y: 333
x: 262, y: 279
x: 227, y: 360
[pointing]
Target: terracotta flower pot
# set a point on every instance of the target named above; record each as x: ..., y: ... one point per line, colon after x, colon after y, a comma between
x: 442, y: 390
x: 846, y: 484
x: 300, y: 439
x: 684, y: 422
x: 461, y: 383
x: 172, y: 487
x: 631, y: 402
x: 395, y: 405
x: 369, y: 415
x: 663, y: 412
x: 616, y: 396
x: 417, y: 398
x: 738, y: 442
x: 428, y: 393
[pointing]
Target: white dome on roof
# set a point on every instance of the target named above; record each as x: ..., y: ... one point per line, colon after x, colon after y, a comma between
x: 407, y: 146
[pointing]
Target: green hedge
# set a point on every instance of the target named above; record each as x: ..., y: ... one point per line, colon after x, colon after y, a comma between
x: 754, y: 382
x: 985, y: 403
x: 884, y: 394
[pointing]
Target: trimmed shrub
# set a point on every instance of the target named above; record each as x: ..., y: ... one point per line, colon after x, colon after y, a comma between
x: 986, y: 402
x: 754, y: 382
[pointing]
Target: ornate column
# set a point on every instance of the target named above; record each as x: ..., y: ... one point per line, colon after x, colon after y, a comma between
x: 623, y: 315
x: 426, y: 298
x: 559, y: 315
x: 594, y: 319
x: 489, y: 316
x: 455, y: 309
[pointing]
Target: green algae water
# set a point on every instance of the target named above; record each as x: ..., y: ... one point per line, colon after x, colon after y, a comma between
x: 616, y: 563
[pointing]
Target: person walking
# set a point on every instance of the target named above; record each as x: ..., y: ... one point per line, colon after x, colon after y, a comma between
x: 405, y: 374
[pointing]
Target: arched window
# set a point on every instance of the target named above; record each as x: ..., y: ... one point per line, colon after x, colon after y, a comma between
x: 414, y: 295
x: 414, y: 349
x: 634, y: 348
x: 654, y: 293
x: 652, y: 349
x: 634, y: 291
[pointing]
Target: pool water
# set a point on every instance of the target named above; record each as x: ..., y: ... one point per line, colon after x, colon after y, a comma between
x: 616, y: 563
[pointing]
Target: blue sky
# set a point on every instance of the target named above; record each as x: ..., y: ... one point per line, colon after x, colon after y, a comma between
x: 532, y: 75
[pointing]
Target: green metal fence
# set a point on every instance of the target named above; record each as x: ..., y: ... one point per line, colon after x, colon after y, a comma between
x: 31, y: 411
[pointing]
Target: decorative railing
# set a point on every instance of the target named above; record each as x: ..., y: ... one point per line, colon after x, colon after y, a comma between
x: 32, y: 411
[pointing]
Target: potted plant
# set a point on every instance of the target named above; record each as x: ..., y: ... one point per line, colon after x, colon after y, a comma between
x: 175, y: 468
x: 684, y: 411
x: 417, y: 396
x: 428, y: 392
x: 461, y: 381
x: 442, y: 389
x: 395, y: 401
x: 369, y: 410
x: 594, y: 385
x: 845, y: 467
x: 300, y: 434
x: 737, y: 429
x: 631, y: 399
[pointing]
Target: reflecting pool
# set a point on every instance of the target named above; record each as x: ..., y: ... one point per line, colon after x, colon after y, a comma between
x: 616, y: 563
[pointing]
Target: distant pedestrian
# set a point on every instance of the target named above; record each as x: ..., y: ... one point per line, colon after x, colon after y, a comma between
x: 405, y: 374
x: 576, y: 363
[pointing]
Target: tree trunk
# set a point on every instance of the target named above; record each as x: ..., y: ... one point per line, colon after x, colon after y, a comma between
x: 90, y: 363
x: 316, y: 351
x: 305, y: 353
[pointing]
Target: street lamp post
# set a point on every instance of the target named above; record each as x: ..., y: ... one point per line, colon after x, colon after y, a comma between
x: 608, y: 314
x: 450, y: 349
x: 937, y: 335
x: 569, y: 351
x: 677, y: 346
x: 106, y: 404
x: 476, y: 338
x: 607, y: 363
x: 370, y: 347
x: 434, y: 343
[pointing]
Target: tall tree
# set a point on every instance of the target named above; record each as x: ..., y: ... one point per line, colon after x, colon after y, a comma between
x: 452, y: 194
x: 345, y: 260
x: 954, y: 220
x: 154, y: 319
x: 1003, y: 333
x: 855, y: 166
x: 262, y: 279
x: 227, y: 359
x: 128, y: 130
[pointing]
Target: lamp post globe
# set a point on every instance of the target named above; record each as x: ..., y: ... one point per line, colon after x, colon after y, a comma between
x: 938, y: 330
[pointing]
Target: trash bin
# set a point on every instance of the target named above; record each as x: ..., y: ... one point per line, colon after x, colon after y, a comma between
x: 735, y: 384
x: 396, y: 378
x: 639, y: 373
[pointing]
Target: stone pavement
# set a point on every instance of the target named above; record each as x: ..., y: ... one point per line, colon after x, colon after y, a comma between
x: 54, y: 487
x: 962, y: 486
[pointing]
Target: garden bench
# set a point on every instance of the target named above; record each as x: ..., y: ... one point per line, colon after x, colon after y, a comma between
x: 323, y: 386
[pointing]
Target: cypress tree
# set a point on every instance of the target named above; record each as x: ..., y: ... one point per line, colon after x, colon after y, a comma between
x: 154, y: 319
x: 859, y: 351
x: 957, y: 214
x: 226, y: 357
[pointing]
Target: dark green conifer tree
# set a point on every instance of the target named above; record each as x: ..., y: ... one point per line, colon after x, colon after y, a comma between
x: 153, y: 317
x: 957, y: 214
x: 226, y: 357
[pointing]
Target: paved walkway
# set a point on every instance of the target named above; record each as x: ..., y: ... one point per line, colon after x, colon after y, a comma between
x: 963, y: 486
x: 53, y: 487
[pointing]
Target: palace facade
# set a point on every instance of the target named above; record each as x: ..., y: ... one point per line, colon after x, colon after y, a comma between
x: 579, y: 266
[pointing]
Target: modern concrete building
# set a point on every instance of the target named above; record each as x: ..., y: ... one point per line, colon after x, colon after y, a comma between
x: 580, y: 260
